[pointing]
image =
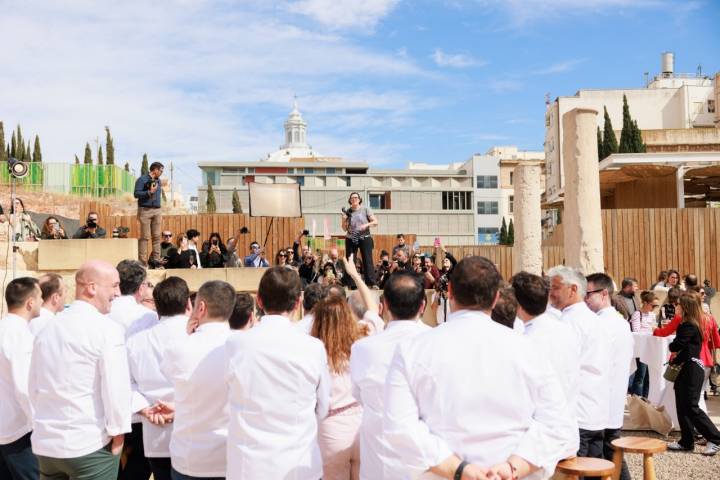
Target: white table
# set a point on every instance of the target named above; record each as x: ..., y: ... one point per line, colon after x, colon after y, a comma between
x: 655, y: 352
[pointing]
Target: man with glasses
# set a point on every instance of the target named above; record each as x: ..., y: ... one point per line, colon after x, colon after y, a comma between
x: 166, y: 244
x: 568, y: 288
x: 257, y: 257
x: 148, y: 191
x: 91, y: 229
x: 598, y: 299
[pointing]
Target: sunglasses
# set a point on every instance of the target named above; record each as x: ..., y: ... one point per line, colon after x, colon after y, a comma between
x: 167, y: 234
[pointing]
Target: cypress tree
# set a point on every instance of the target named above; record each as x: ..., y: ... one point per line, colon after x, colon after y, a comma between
x: 20, y: 145
x: 236, y: 205
x: 626, y: 135
x: 28, y: 153
x: 144, y: 167
x: 610, y: 144
x: 511, y: 234
x: 109, y: 147
x: 638, y: 143
x: 37, y: 153
x: 210, y: 203
x: 599, y: 145
x: 77, y: 160
x: 88, y: 155
x: 100, y: 155
x: 127, y: 167
x: 2, y: 142
x: 13, y: 146
x: 503, y: 233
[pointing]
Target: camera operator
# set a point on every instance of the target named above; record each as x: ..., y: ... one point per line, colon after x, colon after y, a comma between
x: 382, y: 269
x: 401, y: 263
x: 257, y: 257
x: 439, y: 300
x: 300, y: 256
x: 213, y: 253
x: 430, y: 272
x: 148, y: 193
x: 91, y: 229
x: 356, y: 221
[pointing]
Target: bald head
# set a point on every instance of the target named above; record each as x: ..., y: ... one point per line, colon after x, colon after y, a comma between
x: 97, y: 282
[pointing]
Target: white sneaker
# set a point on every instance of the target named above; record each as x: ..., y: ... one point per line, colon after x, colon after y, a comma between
x: 676, y: 447
x: 711, y: 449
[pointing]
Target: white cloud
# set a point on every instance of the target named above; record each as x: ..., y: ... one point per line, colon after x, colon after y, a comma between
x: 185, y: 82
x: 343, y: 14
x: 559, y: 67
x: 525, y: 11
x: 505, y: 85
x: 456, y: 60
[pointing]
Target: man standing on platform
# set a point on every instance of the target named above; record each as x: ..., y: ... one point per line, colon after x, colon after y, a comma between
x: 568, y: 289
x: 148, y: 193
x: 598, y: 298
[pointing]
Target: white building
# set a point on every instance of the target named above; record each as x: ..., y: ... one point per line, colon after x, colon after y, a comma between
x: 670, y: 101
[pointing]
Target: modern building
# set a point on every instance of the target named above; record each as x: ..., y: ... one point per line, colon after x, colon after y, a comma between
x: 675, y: 113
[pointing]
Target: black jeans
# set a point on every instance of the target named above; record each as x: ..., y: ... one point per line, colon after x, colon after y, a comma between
x: 688, y: 388
x: 137, y: 466
x: 161, y: 468
x: 591, y: 445
x: 365, y: 245
x: 18, y: 459
x: 611, y: 434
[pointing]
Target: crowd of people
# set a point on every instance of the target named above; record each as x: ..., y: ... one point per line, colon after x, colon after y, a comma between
x: 312, y: 383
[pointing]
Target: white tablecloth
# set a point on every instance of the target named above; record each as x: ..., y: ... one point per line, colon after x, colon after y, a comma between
x: 655, y: 352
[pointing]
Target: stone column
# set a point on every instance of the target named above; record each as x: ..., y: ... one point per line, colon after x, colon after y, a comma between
x: 581, y: 217
x: 527, y: 251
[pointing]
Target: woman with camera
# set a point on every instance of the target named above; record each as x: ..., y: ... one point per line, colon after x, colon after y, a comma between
x: 356, y: 221
x: 25, y: 230
x: 53, y: 230
x: 687, y: 345
x: 213, y: 253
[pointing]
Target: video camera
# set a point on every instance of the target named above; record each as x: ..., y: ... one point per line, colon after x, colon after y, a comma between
x: 91, y: 224
x: 347, y: 211
x: 120, y: 232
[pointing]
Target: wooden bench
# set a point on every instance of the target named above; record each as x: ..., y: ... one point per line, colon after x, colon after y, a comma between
x: 647, y: 446
x: 577, y: 467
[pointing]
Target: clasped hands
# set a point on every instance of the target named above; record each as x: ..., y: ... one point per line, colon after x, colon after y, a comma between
x: 501, y: 471
x: 160, y: 413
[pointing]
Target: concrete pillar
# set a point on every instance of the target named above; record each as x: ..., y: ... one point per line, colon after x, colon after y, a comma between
x: 581, y: 218
x: 527, y: 251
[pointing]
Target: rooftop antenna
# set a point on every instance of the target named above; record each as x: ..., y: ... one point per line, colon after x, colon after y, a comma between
x: 547, y: 98
x: 699, y: 70
x: 646, y: 77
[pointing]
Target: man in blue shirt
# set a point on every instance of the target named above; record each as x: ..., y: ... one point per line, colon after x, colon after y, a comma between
x: 148, y: 191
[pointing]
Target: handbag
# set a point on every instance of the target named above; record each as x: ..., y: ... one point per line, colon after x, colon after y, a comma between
x: 672, y: 371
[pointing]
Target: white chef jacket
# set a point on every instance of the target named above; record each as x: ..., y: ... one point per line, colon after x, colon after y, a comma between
x: 279, y: 388
x: 477, y: 389
x: 306, y: 323
x: 131, y: 315
x: 79, y: 383
x: 39, y: 322
x: 593, y: 347
x: 146, y: 350
x: 369, y: 364
x: 555, y: 341
x: 16, y: 344
x: 195, y: 366
x: 621, y: 355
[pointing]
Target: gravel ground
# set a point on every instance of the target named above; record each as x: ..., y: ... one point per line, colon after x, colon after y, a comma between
x: 680, y: 465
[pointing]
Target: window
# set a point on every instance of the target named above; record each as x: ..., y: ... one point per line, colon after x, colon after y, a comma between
x: 456, y: 200
x: 511, y: 178
x: 345, y: 180
x: 212, y: 177
x: 379, y: 201
x: 511, y: 205
x: 711, y: 106
x: 487, y: 208
x: 487, y: 181
x: 330, y: 170
x: 487, y: 236
x: 300, y: 180
x: 309, y: 170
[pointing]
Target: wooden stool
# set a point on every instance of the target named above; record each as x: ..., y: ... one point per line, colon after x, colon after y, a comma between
x: 578, y: 467
x: 646, y: 446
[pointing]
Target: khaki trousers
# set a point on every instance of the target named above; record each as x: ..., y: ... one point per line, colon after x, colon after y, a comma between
x: 150, y: 225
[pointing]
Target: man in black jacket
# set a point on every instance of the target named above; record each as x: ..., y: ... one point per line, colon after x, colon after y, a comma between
x: 91, y: 229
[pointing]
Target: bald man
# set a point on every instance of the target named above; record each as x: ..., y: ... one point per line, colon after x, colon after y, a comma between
x: 80, y: 384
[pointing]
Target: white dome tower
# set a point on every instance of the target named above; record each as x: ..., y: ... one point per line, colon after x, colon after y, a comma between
x: 295, y: 129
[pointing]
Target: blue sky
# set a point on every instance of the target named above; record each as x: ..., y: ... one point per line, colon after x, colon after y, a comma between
x: 384, y: 81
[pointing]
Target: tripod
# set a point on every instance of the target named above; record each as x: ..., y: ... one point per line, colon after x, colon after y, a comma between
x: 13, y: 218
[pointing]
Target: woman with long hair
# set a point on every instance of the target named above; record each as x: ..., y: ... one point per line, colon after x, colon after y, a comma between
x: 643, y: 320
x: 52, y: 229
x: 182, y: 256
x: 337, y: 328
x: 24, y: 229
x: 688, y: 385
x: 214, y: 252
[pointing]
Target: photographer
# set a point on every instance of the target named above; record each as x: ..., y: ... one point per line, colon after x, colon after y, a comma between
x: 430, y: 272
x: 91, y: 229
x: 257, y: 257
x: 439, y: 300
x: 356, y: 221
x: 52, y: 230
x: 401, y: 263
x: 148, y: 193
x: 300, y: 256
x: 382, y: 269
x: 214, y: 253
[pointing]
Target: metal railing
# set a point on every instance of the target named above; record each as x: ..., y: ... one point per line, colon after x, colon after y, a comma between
x: 75, y: 179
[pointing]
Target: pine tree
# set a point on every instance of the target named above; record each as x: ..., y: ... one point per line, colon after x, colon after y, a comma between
x: 109, y: 147
x: 610, y: 144
x: 100, y: 156
x: 511, y: 234
x: 127, y: 167
x: 503, y: 233
x: 2, y: 142
x: 144, y: 167
x: 77, y: 160
x: 599, y: 145
x: 626, y: 135
x: 88, y: 155
x: 37, y: 153
x: 210, y: 203
x: 13, y: 146
x: 236, y: 205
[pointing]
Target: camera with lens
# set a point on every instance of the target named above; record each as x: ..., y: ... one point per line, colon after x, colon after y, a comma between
x: 347, y: 211
x: 214, y: 242
x: 306, y: 232
x: 91, y: 224
x: 120, y: 232
x: 244, y: 230
x: 386, y: 263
